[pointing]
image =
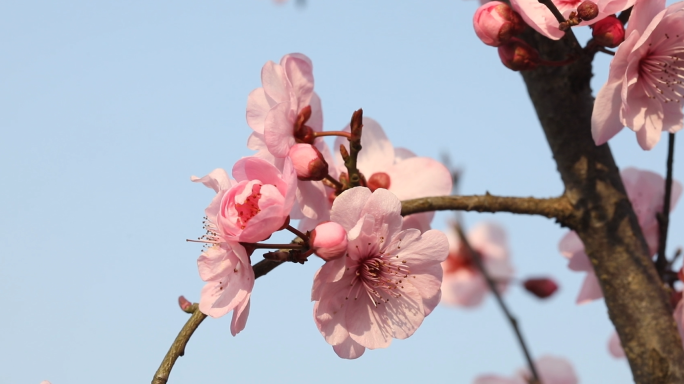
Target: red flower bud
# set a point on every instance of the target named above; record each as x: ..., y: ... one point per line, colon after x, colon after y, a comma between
x: 518, y: 55
x: 588, y: 10
x: 609, y: 32
x: 542, y: 288
x: 184, y: 304
x: 378, y: 180
x: 308, y: 162
x: 329, y: 240
x: 496, y: 22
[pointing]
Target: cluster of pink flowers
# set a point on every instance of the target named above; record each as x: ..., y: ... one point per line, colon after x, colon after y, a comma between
x: 382, y: 274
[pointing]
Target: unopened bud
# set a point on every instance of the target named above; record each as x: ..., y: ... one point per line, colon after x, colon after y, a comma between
x: 378, y: 180
x: 517, y: 55
x: 496, y: 22
x: 542, y: 288
x: 609, y: 32
x: 588, y: 10
x: 329, y: 241
x: 184, y: 304
x: 308, y: 162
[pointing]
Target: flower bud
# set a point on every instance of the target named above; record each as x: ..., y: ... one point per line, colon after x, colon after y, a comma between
x: 588, y: 10
x: 329, y: 240
x: 542, y: 288
x: 517, y: 55
x: 378, y: 180
x: 184, y: 304
x: 609, y: 32
x: 308, y: 162
x: 496, y: 22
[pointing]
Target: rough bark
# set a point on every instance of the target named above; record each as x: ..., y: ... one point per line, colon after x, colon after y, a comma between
x: 637, y: 303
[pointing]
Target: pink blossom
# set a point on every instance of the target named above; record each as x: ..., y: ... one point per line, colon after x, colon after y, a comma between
x: 495, y: 23
x: 308, y: 162
x: 329, y: 240
x: 407, y: 176
x: 644, y: 87
x: 646, y: 192
x: 615, y: 346
x: 254, y: 206
x: 285, y: 106
x: 551, y: 370
x: 385, y: 285
x: 463, y: 284
x: 228, y: 272
x: 539, y: 17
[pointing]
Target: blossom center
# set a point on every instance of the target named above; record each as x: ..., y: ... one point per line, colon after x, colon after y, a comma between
x: 662, y: 69
x: 457, y: 261
x: 249, y: 208
x: 380, y: 277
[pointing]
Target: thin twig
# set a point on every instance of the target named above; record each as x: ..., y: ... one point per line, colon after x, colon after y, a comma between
x: 556, y: 13
x: 492, y: 287
x: 558, y: 208
x: 178, y: 347
x: 664, y: 216
x: 354, y: 148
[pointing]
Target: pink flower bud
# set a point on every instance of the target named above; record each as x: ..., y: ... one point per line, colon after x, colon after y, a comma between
x: 588, y: 10
x: 329, y: 240
x: 184, y: 304
x: 378, y: 180
x: 609, y: 32
x: 496, y: 22
x: 542, y: 288
x: 518, y: 55
x: 308, y: 162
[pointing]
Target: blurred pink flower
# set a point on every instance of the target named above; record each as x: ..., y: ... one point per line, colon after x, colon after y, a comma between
x: 227, y: 269
x: 644, y: 87
x: 646, y: 192
x: 408, y: 176
x: 539, y: 17
x: 615, y: 346
x: 252, y: 207
x: 551, y: 370
x: 463, y: 284
x: 385, y: 285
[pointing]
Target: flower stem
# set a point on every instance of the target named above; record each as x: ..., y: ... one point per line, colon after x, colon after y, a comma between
x: 331, y: 182
x: 664, y: 216
x: 492, y: 287
x: 273, y: 246
x: 333, y: 133
x: 297, y: 232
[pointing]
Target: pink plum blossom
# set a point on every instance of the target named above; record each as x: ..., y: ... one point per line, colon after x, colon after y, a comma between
x: 252, y: 207
x: 227, y: 269
x: 539, y: 17
x: 388, y: 281
x: 644, y: 87
x: 405, y: 175
x: 285, y: 106
x: 463, y: 285
x: 646, y: 192
x: 615, y: 346
x: 551, y: 370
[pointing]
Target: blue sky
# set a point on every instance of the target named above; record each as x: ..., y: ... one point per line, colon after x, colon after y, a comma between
x: 107, y: 108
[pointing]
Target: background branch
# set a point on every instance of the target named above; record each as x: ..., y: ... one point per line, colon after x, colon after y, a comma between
x: 664, y: 216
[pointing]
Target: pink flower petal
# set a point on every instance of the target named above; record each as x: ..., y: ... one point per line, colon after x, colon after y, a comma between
x: 350, y: 202
x: 240, y: 315
x: 419, y: 177
x: 591, y: 290
x: 615, y: 346
x: 217, y: 180
x: 278, y: 129
x: 349, y: 349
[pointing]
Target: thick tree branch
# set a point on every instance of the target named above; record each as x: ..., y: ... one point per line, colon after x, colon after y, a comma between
x: 178, y: 347
x: 604, y: 219
x: 558, y: 208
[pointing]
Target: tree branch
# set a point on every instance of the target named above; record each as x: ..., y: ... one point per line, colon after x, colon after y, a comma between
x: 558, y: 208
x: 604, y: 219
x: 664, y: 216
x: 356, y: 126
x: 178, y: 347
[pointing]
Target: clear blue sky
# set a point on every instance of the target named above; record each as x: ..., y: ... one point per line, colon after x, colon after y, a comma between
x: 107, y: 108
